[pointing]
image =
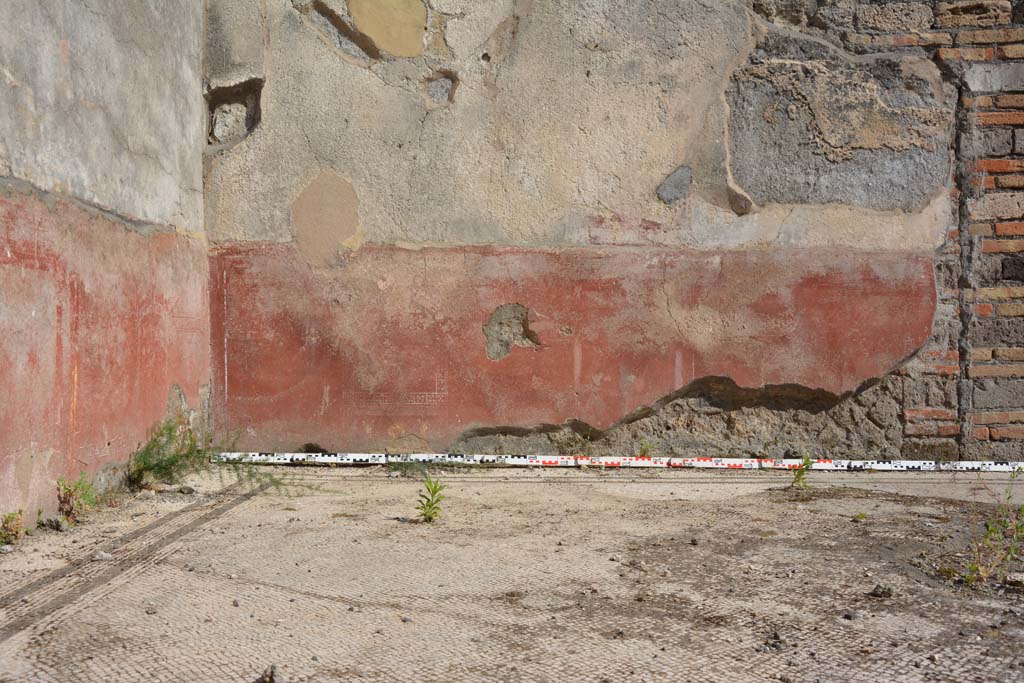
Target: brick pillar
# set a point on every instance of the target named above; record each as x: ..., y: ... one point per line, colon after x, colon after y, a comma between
x: 990, y: 62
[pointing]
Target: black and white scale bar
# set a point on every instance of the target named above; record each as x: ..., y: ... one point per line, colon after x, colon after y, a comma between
x: 614, y: 462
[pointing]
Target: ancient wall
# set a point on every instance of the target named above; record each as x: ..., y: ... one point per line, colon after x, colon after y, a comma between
x: 665, y: 225
x: 988, y: 59
x: 103, y: 259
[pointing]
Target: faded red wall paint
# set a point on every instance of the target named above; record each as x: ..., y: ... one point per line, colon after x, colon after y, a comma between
x: 388, y: 348
x: 96, y: 322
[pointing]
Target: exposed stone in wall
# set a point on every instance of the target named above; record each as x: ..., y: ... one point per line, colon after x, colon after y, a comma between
x: 439, y: 89
x: 992, y: 214
x: 676, y: 186
x: 795, y: 12
x: 972, y: 13
x: 894, y: 17
x: 708, y: 418
x: 234, y: 112
x: 812, y: 125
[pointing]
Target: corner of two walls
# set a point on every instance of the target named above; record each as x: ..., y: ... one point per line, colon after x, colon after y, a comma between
x: 104, y: 304
x: 418, y: 241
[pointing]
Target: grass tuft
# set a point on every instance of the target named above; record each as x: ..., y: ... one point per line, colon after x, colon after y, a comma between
x: 74, y: 498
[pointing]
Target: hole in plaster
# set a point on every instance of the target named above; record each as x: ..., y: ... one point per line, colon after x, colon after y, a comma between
x: 439, y: 89
x: 234, y: 111
x: 509, y: 326
x: 485, y: 57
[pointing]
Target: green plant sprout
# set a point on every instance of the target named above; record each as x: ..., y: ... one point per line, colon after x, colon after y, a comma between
x: 800, y: 474
x: 74, y: 498
x: 1002, y: 541
x: 429, y: 507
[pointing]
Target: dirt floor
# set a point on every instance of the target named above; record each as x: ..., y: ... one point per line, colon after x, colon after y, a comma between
x: 529, y: 576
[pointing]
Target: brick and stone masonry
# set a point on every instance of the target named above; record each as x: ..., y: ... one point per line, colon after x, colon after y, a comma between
x: 705, y: 249
x: 992, y: 348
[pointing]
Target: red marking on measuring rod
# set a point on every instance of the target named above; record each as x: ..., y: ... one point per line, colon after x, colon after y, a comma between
x: 629, y: 461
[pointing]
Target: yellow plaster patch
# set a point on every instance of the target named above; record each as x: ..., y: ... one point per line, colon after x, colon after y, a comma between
x: 395, y: 26
x: 326, y: 216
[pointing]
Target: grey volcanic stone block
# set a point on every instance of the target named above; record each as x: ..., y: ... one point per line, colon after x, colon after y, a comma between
x: 676, y: 186
x: 810, y: 124
x: 998, y: 394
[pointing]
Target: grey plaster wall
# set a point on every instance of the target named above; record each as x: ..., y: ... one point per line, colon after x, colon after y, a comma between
x: 102, y: 99
x: 559, y: 123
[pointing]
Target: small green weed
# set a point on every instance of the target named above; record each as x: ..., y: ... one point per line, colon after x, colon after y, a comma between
x: 74, y: 498
x: 429, y: 507
x: 12, y: 526
x: 175, y: 450
x: 860, y: 517
x: 800, y: 474
x: 171, y: 452
x: 1001, y: 542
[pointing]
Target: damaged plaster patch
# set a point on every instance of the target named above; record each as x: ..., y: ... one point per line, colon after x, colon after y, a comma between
x: 326, y: 217
x: 716, y: 417
x: 234, y: 111
x: 395, y: 26
x: 812, y: 124
x: 439, y: 89
x: 509, y: 326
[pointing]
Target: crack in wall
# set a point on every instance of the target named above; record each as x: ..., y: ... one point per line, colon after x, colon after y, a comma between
x: 965, y: 387
x: 13, y: 185
x: 340, y: 32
